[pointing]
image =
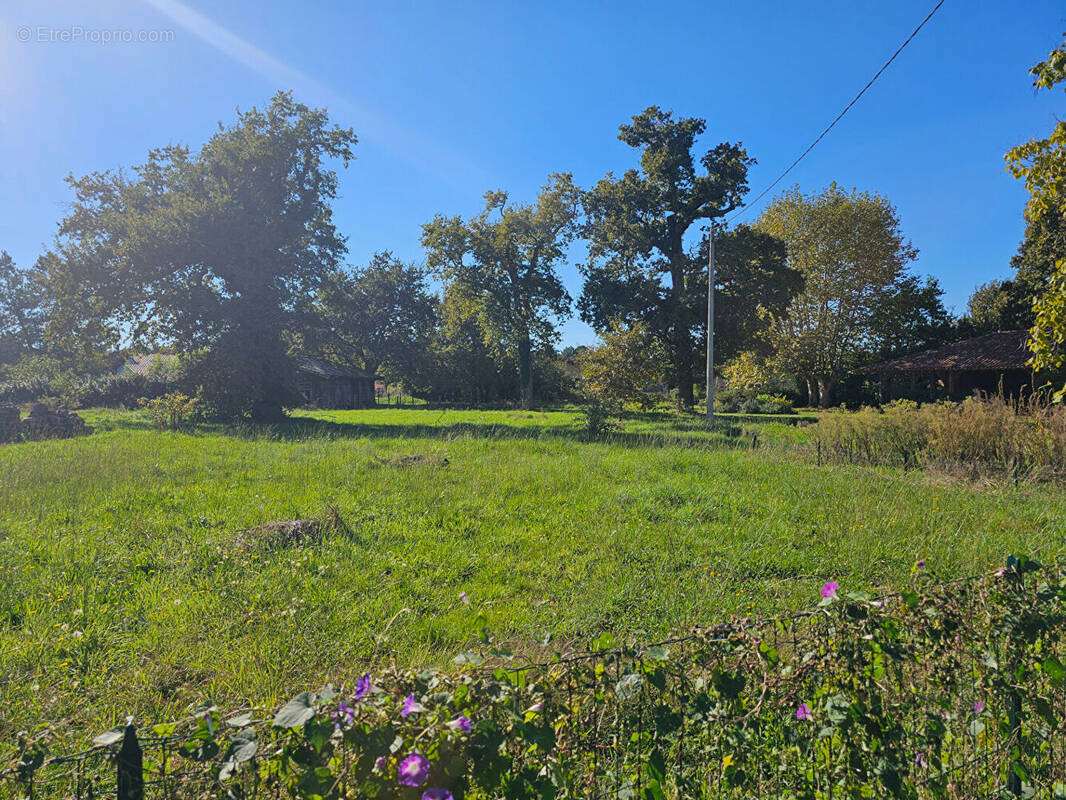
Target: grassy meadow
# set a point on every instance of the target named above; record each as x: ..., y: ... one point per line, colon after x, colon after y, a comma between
x: 125, y: 587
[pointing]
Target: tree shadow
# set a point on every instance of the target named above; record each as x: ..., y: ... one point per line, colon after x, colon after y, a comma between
x: 721, y: 434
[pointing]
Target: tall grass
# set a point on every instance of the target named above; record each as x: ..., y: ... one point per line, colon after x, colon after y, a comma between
x: 982, y: 434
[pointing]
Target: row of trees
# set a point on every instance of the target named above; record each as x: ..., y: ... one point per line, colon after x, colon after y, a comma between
x: 230, y: 256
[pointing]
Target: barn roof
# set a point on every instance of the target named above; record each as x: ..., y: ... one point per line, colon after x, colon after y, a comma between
x: 146, y: 363
x: 324, y: 370
x: 1003, y: 350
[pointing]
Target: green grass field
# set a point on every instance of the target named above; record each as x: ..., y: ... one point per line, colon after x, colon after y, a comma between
x: 125, y: 589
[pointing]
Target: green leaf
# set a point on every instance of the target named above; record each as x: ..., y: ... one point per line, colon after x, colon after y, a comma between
x: 605, y: 641
x: 296, y: 712
x: 112, y: 736
x: 629, y: 686
x: 242, y: 748
x: 773, y: 658
x: 1055, y: 671
x: 658, y: 653
x: 239, y: 720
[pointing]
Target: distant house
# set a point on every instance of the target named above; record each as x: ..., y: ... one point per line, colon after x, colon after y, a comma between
x: 161, y: 365
x: 327, y: 386
x: 985, y: 363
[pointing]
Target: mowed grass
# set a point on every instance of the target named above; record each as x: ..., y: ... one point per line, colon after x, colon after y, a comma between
x: 124, y: 588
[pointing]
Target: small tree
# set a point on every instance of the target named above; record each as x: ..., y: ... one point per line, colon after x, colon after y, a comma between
x: 626, y: 368
x: 849, y: 248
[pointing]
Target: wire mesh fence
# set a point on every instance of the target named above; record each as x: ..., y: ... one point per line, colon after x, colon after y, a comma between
x: 948, y: 690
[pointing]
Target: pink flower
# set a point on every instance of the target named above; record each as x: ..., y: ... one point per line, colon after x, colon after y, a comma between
x: 536, y: 708
x: 978, y: 706
x: 413, y: 770
x: 466, y: 601
x: 411, y: 706
x: 803, y: 712
x: 830, y: 589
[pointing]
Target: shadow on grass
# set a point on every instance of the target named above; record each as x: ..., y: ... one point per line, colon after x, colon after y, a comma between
x: 718, y: 435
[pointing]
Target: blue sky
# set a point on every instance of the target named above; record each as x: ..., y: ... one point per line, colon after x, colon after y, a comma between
x: 450, y: 99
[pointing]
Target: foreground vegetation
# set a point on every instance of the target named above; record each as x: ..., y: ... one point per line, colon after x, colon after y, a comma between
x: 944, y: 690
x: 126, y: 585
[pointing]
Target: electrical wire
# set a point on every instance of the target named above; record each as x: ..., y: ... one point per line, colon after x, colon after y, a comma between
x: 854, y: 100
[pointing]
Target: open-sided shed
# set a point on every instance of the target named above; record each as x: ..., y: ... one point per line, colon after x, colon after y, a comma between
x: 984, y: 363
x: 328, y: 386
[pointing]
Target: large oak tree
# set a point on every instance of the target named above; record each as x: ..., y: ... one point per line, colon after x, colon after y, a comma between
x: 211, y: 252
x: 637, y: 225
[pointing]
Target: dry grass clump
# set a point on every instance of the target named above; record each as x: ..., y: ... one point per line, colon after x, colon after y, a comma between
x: 1023, y: 439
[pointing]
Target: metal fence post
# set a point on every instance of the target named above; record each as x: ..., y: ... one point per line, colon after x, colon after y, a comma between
x: 130, y: 766
x: 1014, y: 715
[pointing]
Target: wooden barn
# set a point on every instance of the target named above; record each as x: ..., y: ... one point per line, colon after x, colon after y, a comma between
x: 327, y: 386
x: 986, y: 363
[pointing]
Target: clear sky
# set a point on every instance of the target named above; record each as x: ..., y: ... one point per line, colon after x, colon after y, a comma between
x: 450, y: 99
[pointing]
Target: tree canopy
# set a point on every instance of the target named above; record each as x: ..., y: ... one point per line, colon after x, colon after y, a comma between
x: 636, y: 228
x: 378, y: 319
x: 212, y: 252
x: 1041, y: 163
x: 851, y: 252
x: 501, y: 269
x: 21, y: 311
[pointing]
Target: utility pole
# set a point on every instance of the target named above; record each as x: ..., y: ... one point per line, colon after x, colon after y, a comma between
x: 710, y: 322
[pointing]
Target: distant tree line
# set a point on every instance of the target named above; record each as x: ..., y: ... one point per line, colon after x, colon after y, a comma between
x: 229, y: 256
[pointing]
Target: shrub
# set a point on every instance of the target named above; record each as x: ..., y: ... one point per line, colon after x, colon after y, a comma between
x: 626, y: 368
x: 766, y: 404
x: 596, y: 417
x: 173, y: 410
x: 989, y: 433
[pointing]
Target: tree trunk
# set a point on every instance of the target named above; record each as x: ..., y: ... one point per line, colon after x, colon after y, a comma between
x: 525, y: 373
x: 682, y: 344
x: 825, y: 391
x: 812, y: 392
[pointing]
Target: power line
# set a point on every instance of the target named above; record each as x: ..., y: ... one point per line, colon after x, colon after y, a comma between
x: 764, y: 192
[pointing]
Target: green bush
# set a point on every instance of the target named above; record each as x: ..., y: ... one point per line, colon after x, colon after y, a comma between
x: 736, y: 400
x: 989, y: 433
x: 173, y: 411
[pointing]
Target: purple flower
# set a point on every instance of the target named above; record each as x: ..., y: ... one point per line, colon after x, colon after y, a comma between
x: 920, y: 565
x: 344, y: 715
x: 413, y: 770
x: 362, y: 686
x: 830, y: 589
x: 536, y: 708
x: 803, y: 712
x: 411, y: 706
x: 919, y: 761
x: 436, y: 794
x: 460, y: 724
x: 380, y: 763
x: 466, y: 601
x: 978, y: 706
